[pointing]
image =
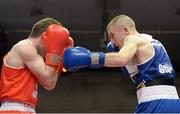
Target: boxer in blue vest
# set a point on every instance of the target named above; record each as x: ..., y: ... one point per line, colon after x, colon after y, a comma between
x: 141, y: 57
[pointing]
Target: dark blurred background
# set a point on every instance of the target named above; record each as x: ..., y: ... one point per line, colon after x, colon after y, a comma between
x: 92, y: 90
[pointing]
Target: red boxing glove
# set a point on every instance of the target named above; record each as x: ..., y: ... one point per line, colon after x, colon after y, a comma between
x: 70, y: 43
x: 54, y: 40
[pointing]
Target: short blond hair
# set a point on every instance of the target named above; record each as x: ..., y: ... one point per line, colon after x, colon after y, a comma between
x: 122, y: 20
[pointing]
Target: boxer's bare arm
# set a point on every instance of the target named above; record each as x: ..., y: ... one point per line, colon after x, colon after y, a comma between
x: 126, y: 53
x: 46, y: 75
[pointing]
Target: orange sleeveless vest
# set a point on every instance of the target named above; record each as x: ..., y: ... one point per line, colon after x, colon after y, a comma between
x: 18, y: 85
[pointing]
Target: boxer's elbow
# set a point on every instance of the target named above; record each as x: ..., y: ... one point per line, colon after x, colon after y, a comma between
x: 50, y: 88
x: 49, y: 85
x: 50, y: 82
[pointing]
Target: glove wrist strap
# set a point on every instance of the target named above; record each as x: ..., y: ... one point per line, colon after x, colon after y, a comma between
x: 97, y: 59
x: 53, y: 60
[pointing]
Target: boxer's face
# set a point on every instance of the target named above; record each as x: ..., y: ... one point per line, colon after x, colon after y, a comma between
x: 42, y: 50
x: 116, y: 35
x: 41, y: 47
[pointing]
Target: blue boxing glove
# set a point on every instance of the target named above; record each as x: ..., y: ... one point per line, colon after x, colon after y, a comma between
x: 111, y: 47
x: 75, y: 58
